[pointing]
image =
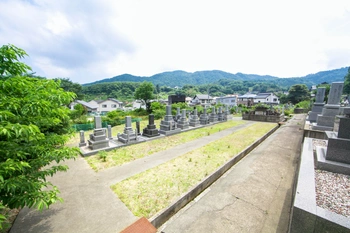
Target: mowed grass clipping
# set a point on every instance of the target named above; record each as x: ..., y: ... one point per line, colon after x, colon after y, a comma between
x: 148, y: 192
x: 127, y: 154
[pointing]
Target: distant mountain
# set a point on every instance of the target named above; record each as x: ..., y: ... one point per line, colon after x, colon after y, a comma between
x: 181, y: 78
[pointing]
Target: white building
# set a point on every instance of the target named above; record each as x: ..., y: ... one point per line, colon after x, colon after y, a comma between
x: 266, y: 98
x: 202, y: 100
x: 229, y: 100
x: 99, y: 106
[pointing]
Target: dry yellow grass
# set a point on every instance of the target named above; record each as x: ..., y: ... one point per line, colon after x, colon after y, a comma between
x: 148, y: 192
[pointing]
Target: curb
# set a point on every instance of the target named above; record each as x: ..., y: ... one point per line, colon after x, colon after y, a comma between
x: 161, y: 217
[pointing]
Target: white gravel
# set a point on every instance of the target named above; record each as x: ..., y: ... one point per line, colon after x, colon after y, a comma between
x: 332, y: 189
x: 333, y: 192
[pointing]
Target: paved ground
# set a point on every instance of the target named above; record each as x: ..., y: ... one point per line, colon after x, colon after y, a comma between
x: 89, y: 204
x: 253, y: 196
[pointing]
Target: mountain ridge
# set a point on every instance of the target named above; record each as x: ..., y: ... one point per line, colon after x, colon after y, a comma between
x: 180, y: 77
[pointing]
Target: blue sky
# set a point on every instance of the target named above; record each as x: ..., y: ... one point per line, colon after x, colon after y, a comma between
x: 89, y: 40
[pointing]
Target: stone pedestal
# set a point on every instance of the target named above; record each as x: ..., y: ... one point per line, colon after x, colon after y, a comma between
x: 150, y: 130
x: 168, y: 125
x: 194, y: 119
x: 98, y: 138
x: 213, y: 116
x: 325, y: 120
x: 339, y: 142
x: 318, y: 105
x: 183, y: 122
x: 129, y: 134
x: 204, y: 118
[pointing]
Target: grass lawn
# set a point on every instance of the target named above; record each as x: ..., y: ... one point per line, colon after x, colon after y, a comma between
x: 123, y: 155
x: 148, y: 192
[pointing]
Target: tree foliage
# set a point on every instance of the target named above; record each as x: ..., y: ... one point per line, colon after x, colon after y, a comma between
x: 145, y: 92
x: 298, y: 93
x: 9, y: 61
x: 346, y: 89
x: 34, y: 123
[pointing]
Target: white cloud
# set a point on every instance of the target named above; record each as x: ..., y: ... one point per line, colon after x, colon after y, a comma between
x: 90, y: 40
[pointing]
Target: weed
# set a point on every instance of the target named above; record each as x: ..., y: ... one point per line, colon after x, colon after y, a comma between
x: 103, y: 155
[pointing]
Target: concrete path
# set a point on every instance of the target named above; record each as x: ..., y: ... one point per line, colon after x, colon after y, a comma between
x: 255, y: 195
x: 89, y: 203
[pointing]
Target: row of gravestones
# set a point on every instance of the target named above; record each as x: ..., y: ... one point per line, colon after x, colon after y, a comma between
x: 169, y: 125
x: 334, y: 120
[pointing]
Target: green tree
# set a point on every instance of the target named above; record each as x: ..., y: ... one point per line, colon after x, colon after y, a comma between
x: 298, y: 93
x: 34, y: 123
x: 68, y: 85
x: 346, y: 89
x: 145, y: 92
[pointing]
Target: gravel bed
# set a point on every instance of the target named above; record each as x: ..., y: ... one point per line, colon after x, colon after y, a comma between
x: 332, y: 189
x: 333, y: 192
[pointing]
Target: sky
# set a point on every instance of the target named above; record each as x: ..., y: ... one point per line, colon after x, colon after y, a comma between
x: 90, y: 40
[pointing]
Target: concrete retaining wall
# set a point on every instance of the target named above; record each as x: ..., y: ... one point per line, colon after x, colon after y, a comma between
x: 265, y: 118
x: 161, y: 217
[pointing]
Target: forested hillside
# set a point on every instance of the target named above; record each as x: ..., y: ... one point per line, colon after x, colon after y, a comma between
x: 181, y: 78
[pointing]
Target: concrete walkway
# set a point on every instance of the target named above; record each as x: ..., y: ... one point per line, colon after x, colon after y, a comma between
x: 255, y: 195
x: 89, y: 203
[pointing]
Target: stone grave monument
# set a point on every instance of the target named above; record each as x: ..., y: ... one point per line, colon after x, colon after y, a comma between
x: 204, y: 118
x: 150, y: 130
x: 325, y: 120
x: 183, y: 122
x: 178, y: 114
x: 318, y: 105
x: 194, y: 119
x: 213, y: 116
x: 129, y: 134
x: 82, y: 139
x: 336, y: 157
x: 168, y: 125
x: 98, y: 138
x: 220, y: 114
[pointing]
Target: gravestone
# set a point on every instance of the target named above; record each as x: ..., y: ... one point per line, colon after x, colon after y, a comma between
x: 204, y: 118
x: 325, y: 120
x: 338, y: 148
x: 178, y: 114
x: 213, y: 116
x: 183, y: 122
x: 109, y: 130
x: 318, y: 105
x: 129, y: 134
x: 194, y: 119
x: 168, y: 125
x: 220, y: 114
x: 227, y: 114
x: 82, y: 139
x: 150, y: 130
x: 98, y: 138
x: 138, y: 131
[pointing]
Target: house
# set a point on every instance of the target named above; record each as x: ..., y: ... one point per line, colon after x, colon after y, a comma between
x: 250, y: 99
x: 99, y: 106
x: 89, y: 107
x: 246, y: 99
x: 266, y: 98
x: 229, y: 100
x: 173, y: 99
x: 188, y: 100
x: 202, y: 100
x: 104, y: 106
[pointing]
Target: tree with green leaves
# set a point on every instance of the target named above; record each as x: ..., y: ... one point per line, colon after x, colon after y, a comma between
x: 346, y: 89
x: 145, y: 93
x: 298, y: 93
x: 68, y: 85
x: 34, y: 127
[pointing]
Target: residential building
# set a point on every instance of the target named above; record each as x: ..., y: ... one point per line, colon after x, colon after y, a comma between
x: 202, y: 100
x: 229, y: 100
x: 99, y: 106
x: 89, y: 107
x: 250, y: 99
